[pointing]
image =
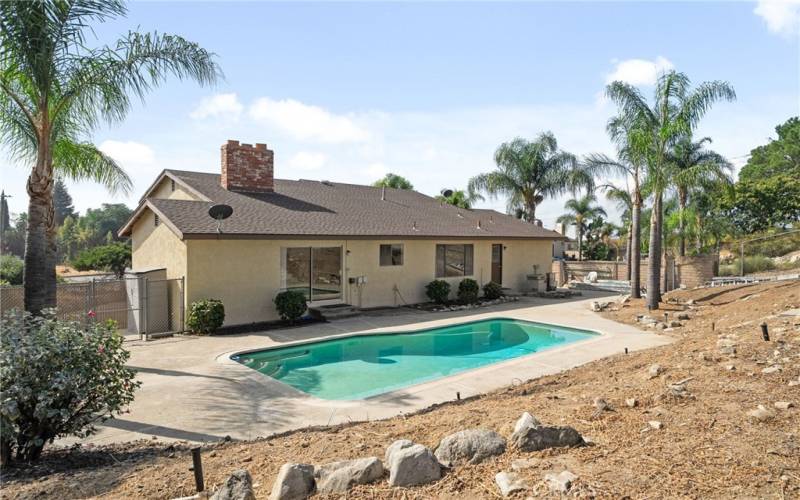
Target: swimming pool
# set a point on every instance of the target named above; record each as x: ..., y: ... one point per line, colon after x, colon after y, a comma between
x: 361, y: 366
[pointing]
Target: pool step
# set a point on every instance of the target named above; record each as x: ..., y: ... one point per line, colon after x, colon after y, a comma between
x: 333, y: 311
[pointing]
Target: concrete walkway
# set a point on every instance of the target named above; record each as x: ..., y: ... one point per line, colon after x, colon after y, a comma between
x: 191, y: 390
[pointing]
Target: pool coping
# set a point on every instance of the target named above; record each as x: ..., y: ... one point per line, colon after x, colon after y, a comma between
x: 226, y: 358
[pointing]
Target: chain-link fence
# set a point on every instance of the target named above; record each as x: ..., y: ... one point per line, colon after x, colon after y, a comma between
x: 137, y: 305
x: 770, y: 255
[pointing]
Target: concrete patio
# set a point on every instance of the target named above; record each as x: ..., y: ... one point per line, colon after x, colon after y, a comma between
x: 191, y: 390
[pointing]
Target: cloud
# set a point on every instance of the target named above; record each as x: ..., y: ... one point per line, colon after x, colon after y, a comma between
x: 218, y: 105
x: 305, y: 160
x: 639, y: 71
x: 128, y: 152
x: 782, y: 16
x: 307, y: 122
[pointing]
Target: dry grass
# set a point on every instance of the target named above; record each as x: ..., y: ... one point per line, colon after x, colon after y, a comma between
x: 708, y: 447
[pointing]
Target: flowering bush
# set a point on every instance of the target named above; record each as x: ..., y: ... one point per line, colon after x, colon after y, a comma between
x: 58, y: 378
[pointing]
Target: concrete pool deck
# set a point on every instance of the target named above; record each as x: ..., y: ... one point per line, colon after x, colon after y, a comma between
x: 191, y: 389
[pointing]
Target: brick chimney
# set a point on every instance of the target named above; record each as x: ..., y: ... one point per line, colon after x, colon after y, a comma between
x: 246, y: 168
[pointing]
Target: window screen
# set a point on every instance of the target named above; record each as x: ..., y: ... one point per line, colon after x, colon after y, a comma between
x: 391, y: 255
x: 454, y: 260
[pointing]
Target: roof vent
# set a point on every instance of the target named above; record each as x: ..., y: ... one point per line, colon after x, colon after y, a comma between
x: 491, y: 219
x: 383, y: 193
x: 414, y: 226
x: 479, y: 225
x: 460, y: 214
x: 327, y: 182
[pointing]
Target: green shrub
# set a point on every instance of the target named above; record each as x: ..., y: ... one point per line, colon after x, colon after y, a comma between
x: 205, y: 316
x: 58, y: 379
x: 438, y: 291
x: 492, y: 291
x: 468, y: 291
x: 114, y: 258
x: 11, y: 269
x: 290, y: 304
x: 752, y: 264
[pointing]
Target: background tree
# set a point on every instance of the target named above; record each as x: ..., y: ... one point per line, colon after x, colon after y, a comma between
x: 779, y: 156
x: 62, y: 202
x: 653, y: 131
x: 695, y: 169
x: 460, y: 198
x: 55, y: 89
x: 393, y: 181
x: 579, y: 212
x: 528, y: 172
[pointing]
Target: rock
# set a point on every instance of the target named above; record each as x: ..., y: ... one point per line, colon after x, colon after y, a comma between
x: 655, y: 424
x: 294, y: 482
x: 523, y: 463
x: 690, y: 302
x: 238, y: 486
x: 471, y: 446
x: 524, y: 422
x: 540, y: 438
x: 411, y: 464
x: 704, y: 356
x: 675, y: 324
x: 647, y: 320
x: 601, y: 405
x: 771, y: 369
x: 338, y: 477
x: 631, y: 402
x: 793, y: 383
x: 509, y: 482
x: 591, y: 277
x: 561, y: 482
x: 730, y: 368
x: 726, y: 346
x: 783, y: 405
x: 654, y: 370
x: 760, y: 414
x: 683, y: 316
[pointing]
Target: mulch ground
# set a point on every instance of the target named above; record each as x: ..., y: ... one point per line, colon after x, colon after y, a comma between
x: 708, y: 446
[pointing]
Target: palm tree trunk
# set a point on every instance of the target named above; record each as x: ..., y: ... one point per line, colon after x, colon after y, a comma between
x: 39, y: 275
x: 682, y: 207
x: 636, y: 255
x: 628, y: 252
x: 580, y: 242
x: 654, y: 266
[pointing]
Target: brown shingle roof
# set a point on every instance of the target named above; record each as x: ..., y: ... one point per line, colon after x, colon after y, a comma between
x: 313, y: 209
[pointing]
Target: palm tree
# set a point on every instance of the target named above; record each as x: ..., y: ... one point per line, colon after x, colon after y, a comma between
x: 460, y: 198
x: 530, y: 171
x: 624, y: 201
x: 695, y: 167
x: 652, y: 131
x: 630, y: 164
x: 393, y: 181
x: 54, y: 90
x: 580, y: 211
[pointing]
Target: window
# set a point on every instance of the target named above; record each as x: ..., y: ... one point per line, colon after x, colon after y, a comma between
x: 453, y: 260
x: 391, y: 255
x: 156, y: 220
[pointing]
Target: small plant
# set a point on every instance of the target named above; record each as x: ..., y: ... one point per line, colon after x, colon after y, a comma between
x: 205, y: 316
x: 438, y: 291
x: 290, y: 304
x: 492, y: 291
x: 58, y: 379
x: 468, y: 291
x: 11, y: 268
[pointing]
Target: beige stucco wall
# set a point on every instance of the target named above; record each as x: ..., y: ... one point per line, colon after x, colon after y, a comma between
x: 163, y: 190
x: 155, y: 247
x: 246, y: 274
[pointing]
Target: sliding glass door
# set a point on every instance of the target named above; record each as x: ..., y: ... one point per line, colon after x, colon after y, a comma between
x: 315, y: 271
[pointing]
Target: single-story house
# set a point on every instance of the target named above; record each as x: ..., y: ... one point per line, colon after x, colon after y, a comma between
x: 336, y: 242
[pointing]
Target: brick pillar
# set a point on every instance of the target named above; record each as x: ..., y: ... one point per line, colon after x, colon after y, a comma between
x: 247, y: 168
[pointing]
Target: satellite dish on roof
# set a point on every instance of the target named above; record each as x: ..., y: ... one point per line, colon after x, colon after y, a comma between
x: 447, y: 193
x: 220, y: 213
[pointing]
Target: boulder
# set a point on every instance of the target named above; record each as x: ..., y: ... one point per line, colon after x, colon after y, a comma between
x: 761, y: 414
x: 631, y: 402
x: 238, y: 486
x: 591, y: 277
x: 783, y: 405
x: 509, y: 482
x: 294, y: 482
x: 525, y: 422
x: 771, y: 369
x: 471, y: 446
x: 561, y: 482
x: 540, y: 438
x: 338, y: 477
x: 655, y: 424
x: 411, y: 464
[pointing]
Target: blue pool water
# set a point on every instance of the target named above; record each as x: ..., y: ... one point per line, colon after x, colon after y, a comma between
x: 367, y: 365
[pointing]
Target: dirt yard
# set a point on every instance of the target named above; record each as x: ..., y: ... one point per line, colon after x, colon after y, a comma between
x: 708, y: 447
